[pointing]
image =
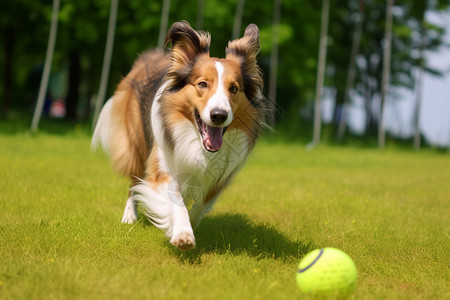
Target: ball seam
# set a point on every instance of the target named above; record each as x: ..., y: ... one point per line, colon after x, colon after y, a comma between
x: 312, y: 263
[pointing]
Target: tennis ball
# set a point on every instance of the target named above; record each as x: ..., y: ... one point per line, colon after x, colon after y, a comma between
x: 327, y: 271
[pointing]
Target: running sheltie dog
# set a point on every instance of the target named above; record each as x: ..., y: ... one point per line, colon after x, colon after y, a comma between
x: 181, y: 125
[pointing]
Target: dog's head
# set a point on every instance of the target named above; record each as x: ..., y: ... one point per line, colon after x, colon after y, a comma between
x: 215, y: 94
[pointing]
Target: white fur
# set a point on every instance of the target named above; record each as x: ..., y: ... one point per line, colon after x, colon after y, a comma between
x: 164, y: 206
x: 218, y: 100
x: 130, y: 214
x: 102, y: 132
x: 194, y: 172
x: 155, y: 204
x: 155, y: 119
x: 200, y: 170
x: 166, y: 213
x: 178, y: 205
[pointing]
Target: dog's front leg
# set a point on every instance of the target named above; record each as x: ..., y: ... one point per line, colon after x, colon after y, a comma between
x: 182, y: 232
x: 165, y: 208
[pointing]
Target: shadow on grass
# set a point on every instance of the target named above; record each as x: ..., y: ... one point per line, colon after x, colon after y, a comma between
x: 236, y: 234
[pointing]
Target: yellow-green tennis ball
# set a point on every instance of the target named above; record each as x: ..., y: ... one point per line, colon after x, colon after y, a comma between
x: 327, y: 271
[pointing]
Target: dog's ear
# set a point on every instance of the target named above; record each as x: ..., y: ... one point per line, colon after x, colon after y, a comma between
x: 186, y: 44
x: 244, y: 51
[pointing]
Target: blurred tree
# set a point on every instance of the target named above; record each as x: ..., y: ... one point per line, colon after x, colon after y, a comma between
x: 106, y: 60
x: 406, y: 43
x: 238, y: 19
x: 274, y: 58
x: 423, y: 40
x: 298, y: 40
x: 342, y: 113
x: 320, y: 71
x: 9, y: 36
x: 83, y: 22
x: 43, y: 86
x: 163, y: 23
x: 19, y: 25
x: 83, y: 27
x: 419, y: 9
x: 199, y: 22
x: 386, y: 71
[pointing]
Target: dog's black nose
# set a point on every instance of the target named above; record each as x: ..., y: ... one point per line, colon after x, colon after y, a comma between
x: 218, y: 116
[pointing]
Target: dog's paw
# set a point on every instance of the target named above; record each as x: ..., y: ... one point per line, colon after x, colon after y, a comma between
x: 183, y: 241
x: 130, y: 213
x: 129, y: 219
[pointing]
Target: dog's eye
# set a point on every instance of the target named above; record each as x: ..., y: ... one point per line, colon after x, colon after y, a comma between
x: 202, y: 85
x: 234, y: 89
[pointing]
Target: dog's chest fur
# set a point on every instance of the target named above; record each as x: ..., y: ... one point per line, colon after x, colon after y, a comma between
x: 199, y: 172
x: 195, y: 171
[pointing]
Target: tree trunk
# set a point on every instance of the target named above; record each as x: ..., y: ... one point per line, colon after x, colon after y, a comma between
x: 47, y: 66
x: 274, y: 60
x: 7, y: 69
x: 320, y: 72
x: 200, y: 8
x: 417, y: 139
x: 448, y: 145
x: 163, y: 24
x: 238, y: 19
x: 106, y: 60
x: 351, y: 72
x: 74, y: 85
x: 90, y: 91
x: 368, y: 109
x: 418, y: 105
x: 386, y: 71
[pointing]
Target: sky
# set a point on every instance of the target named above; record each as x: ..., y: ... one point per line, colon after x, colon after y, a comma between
x: 435, y: 121
x: 435, y: 109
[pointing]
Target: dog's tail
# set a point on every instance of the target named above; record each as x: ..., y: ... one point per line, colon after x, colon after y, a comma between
x: 121, y: 139
x: 102, y: 132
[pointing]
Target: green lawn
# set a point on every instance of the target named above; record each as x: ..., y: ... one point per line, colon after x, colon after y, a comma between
x: 61, y: 236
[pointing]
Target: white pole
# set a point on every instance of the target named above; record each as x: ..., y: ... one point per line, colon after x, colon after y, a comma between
x: 47, y: 66
x: 106, y: 60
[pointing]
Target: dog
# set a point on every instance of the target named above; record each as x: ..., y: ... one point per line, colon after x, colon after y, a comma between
x: 181, y: 124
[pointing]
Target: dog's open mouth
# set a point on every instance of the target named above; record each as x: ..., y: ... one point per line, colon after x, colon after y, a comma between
x: 212, y: 137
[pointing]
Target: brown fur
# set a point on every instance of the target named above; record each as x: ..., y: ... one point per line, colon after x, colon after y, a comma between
x: 135, y: 92
x: 132, y: 139
x: 134, y: 151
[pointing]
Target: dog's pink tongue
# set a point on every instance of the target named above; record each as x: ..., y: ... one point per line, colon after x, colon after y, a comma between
x: 213, y: 138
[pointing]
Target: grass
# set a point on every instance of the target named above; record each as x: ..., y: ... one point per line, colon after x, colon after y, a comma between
x: 61, y: 236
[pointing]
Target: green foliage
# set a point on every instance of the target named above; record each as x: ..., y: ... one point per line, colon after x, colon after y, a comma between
x: 61, y: 236
x: 284, y: 35
x: 83, y: 26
